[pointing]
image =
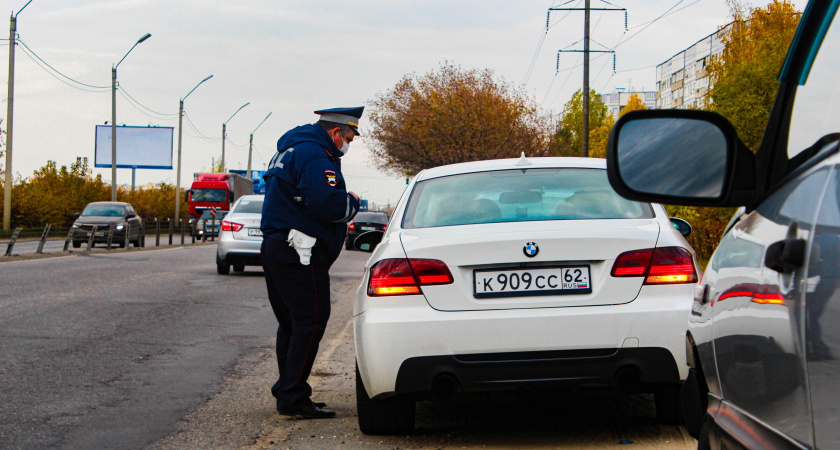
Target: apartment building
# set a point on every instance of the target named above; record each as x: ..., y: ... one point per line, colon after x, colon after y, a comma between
x: 682, y: 82
x: 616, y: 101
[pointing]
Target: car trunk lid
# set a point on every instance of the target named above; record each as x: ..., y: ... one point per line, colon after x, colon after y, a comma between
x: 489, y: 250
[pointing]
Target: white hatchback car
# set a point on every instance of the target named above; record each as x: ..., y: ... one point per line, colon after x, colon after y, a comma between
x: 241, y: 238
x: 520, y: 273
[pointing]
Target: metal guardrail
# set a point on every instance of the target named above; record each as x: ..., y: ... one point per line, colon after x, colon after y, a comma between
x: 9, y: 238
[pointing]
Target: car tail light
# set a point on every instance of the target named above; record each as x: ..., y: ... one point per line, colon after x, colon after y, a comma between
x: 665, y: 265
x: 405, y: 276
x: 231, y: 226
x: 384, y: 227
x: 351, y: 226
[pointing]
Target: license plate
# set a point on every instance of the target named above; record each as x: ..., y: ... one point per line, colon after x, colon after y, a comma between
x: 563, y: 280
x: 254, y: 232
x: 368, y: 228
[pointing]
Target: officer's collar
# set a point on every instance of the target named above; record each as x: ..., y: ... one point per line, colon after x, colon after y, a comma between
x: 331, y: 149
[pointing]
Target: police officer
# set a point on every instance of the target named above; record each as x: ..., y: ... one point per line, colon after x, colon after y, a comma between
x: 306, y: 202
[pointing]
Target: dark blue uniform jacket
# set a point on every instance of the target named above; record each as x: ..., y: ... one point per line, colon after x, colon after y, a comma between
x: 305, y: 191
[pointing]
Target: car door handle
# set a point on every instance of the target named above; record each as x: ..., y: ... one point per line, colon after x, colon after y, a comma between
x: 785, y: 256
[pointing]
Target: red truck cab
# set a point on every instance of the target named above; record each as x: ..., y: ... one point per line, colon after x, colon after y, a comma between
x: 218, y: 190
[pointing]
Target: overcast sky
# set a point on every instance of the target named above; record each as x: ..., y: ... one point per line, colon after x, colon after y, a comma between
x: 293, y: 57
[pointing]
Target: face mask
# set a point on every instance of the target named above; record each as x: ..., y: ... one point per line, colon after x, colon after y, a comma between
x: 344, y: 148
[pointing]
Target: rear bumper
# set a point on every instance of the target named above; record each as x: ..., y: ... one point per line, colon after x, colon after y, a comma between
x: 565, y: 368
x: 239, y: 252
x: 243, y: 259
x: 402, y: 343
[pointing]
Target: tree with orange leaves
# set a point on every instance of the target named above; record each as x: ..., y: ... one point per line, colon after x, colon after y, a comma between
x: 451, y: 116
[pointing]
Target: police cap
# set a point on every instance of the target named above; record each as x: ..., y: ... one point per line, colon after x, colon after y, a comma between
x: 348, y: 116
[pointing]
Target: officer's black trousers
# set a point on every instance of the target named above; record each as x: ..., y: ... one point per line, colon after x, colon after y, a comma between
x: 300, y: 298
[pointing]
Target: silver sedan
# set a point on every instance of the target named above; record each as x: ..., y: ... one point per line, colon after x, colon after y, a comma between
x: 240, y: 238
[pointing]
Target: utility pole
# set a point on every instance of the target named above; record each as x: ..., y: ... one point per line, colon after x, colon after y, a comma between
x: 7, y: 186
x: 586, y: 51
x: 585, y: 138
x: 251, y: 144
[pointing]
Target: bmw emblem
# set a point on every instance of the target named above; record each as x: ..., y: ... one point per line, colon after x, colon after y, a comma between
x: 531, y: 249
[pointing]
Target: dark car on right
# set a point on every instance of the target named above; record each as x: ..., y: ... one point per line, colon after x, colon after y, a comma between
x: 362, y: 223
x: 762, y: 340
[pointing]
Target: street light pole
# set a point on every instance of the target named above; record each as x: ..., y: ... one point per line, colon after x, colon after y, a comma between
x: 180, y: 133
x: 7, y: 189
x: 224, y: 135
x: 114, y: 119
x: 251, y: 145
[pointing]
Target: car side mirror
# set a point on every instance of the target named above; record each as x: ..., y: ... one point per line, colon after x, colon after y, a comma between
x: 77, y: 215
x: 187, y: 195
x: 685, y: 157
x: 681, y: 225
x: 368, y: 241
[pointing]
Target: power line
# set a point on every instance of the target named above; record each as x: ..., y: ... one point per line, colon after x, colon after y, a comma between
x: 144, y: 107
x: 33, y: 54
x: 531, y: 66
x: 200, y: 134
x: 134, y: 105
x: 620, y: 42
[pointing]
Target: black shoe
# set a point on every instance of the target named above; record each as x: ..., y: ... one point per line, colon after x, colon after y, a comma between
x: 320, y: 405
x: 307, y: 410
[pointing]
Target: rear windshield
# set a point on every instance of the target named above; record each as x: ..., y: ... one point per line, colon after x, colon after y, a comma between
x: 209, y: 215
x: 249, y: 206
x: 371, y: 217
x: 104, y: 211
x: 520, y: 195
x: 209, y: 195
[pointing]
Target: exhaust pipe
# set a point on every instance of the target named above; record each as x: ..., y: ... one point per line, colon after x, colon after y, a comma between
x: 629, y: 380
x: 444, y: 386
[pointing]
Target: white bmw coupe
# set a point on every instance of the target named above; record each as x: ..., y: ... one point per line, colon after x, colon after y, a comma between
x: 520, y: 273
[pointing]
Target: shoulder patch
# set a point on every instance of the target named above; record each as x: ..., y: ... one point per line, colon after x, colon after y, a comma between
x: 330, y: 177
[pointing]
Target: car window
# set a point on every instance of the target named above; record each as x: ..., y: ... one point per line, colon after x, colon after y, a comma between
x: 209, y: 195
x: 817, y: 102
x: 104, y: 211
x: 249, y: 206
x: 518, y: 196
x: 209, y: 216
x: 371, y: 217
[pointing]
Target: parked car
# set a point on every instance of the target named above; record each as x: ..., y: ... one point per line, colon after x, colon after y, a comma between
x: 241, y: 237
x: 363, y: 222
x: 209, y: 223
x: 513, y: 273
x: 101, y: 215
x: 762, y: 343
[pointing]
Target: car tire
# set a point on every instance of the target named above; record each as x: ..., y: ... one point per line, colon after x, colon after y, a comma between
x: 668, y: 405
x: 238, y: 268
x: 222, y: 268
x: 77, y: 244
x: 348, y: 245
x: 693, y: 391
x: 392, y: 415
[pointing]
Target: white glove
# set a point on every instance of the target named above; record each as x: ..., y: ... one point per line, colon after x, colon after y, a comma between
x: 303, y: 244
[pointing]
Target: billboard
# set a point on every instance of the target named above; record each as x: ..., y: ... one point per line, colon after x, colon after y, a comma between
x: 256, y: 176
x: 137, y: 147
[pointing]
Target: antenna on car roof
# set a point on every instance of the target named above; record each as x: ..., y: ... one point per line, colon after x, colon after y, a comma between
x: 523, y: 161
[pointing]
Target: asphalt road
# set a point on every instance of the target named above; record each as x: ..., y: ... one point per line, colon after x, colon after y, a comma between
x: 153, y: 349
x: 110, y: 351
